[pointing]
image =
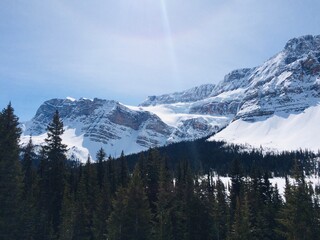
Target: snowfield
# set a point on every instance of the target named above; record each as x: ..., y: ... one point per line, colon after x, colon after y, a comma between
x: 291, y: 132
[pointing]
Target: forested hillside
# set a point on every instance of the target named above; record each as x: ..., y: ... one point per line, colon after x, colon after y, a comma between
x: 207, y: 156
x: 166, y: 193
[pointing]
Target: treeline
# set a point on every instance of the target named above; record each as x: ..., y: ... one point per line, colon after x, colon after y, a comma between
x: 60, y: 199
x: 204, y: 156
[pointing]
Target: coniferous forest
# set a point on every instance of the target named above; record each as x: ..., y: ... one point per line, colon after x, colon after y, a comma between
x: 166, y: 193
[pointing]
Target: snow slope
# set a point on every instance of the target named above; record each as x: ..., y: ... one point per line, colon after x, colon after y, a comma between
x: 287, y: 132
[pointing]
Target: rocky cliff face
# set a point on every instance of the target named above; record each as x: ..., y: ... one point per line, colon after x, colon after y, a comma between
x: 288, y: 83
x: 280, y: 106
x: 103, y: 123
x: 190, y: 95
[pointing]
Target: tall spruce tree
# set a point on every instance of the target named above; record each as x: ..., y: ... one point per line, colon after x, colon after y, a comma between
x: 138, y: 209
x: 236, y: 186
x: 123, y: 171
x: 10, y: 175
x: 164, y: 211
x: 111, y: 176
x: 201, y: 220
x: 298, y: 218
x: 103, y: 196
x: 101, y: 155
x: 68, y: 212
x: 221, y: 213
x: 240, y: 229
x: 29, y: 171
x: 117, y: 222
x: 131, y: 217
x: 153, y: 166
x: 30, y: 190
x: 54, y: 173
x: 184, y: 194
x: 86, y: 197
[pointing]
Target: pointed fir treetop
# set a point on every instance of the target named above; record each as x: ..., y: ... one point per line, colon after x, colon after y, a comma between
x: 9, y: 125
x: 101, y: 155
x: 28, y: 155
x: 55, y: 131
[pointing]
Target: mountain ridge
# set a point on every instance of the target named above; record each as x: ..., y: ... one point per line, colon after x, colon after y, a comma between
x: 287, y: 83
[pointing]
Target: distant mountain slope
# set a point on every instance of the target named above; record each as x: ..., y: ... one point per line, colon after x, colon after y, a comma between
x: 273, y: 105
x: 280, y: 109
x: 190, y: 95
x: 92, y: 124
x: 287, y: 132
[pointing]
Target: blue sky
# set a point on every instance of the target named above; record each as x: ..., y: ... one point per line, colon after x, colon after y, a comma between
x: 126, y: 50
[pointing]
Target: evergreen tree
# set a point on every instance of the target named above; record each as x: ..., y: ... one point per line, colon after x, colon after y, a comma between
x: 117, y: 228
x: 131, y: 217
x: 111, y: 176
x: 184, y: 191
x: 124, y: 172
x: 200, y: 211
x: 152, y: 178
x: 298, y: 220
x: 138, y: 209
x: 102, y: 213
x: 86, y: 197
x: 272, y: 202
x: 274, y: 209
x: 30, y: 191
x: 164, y: 212
x: 29, y: 172
x: 103, y: 197
x: 10, y: 176
x: 100, y: 166
x: 256, y: 193
x: 53, y: 174
x: 241, y: 229
x: 221, y: 213
x: 68, y: 213
x: 236, y: 186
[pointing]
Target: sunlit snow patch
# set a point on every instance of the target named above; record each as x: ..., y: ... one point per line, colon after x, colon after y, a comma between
x: 292, y: 132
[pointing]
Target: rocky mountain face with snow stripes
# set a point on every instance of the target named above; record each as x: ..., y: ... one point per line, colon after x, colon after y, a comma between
x: 252, y: 106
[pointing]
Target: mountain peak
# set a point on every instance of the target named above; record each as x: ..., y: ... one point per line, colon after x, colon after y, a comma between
x: 192, y: 94
x: 303, y: 44
x: 236, y: 79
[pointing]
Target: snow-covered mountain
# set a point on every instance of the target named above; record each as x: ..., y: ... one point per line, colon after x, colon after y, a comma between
x: 280, y: 107
x: 190, y: 95
x: 273, y: 105
x: 92, y: 124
